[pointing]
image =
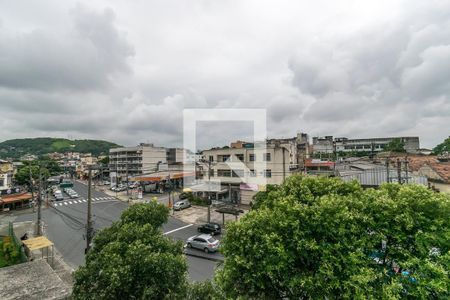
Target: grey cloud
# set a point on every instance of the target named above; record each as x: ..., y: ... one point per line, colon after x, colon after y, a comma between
x: 85, y: 59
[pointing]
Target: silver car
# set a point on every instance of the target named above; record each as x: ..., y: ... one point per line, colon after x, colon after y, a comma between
x: 203, y: 242
x: 182, y: 205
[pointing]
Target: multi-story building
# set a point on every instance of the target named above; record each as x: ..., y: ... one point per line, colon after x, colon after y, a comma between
x: 374, y: 144
x: 238, y: 169
x: 6, y: 174
x: 328, y: 145
x: 134, y: 161
x: 323, y: 144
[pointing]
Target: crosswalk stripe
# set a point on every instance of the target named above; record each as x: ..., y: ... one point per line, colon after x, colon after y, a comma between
x: 75, y: 201
x: 84, y: 200
x: 65, y: 203
x: 70, y: 202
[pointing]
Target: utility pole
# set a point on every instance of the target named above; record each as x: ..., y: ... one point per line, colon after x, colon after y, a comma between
x: 284, y: 165
x: 126, y: 173
x: 387, y: 170
x: 89, y: 215
x: 209, y: 191
x: 406, y: 169
x: 31, y: 188
x: 399, y: 171
x: 39, y: 220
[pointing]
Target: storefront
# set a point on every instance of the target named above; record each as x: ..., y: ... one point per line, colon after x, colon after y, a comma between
x: 15, y: 201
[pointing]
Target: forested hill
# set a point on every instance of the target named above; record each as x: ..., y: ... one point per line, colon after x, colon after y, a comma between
x: 40, y: 146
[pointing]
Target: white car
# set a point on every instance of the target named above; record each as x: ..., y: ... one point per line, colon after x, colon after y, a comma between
x: 203, y: 242
x: 182, y: 204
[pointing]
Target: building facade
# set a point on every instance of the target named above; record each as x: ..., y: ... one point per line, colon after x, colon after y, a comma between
x: 328, y: 145
x: 6, y: 174
x: 134, y: 161
x: 237, y: 169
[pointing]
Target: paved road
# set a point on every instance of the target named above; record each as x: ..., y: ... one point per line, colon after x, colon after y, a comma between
x: 64, y: 225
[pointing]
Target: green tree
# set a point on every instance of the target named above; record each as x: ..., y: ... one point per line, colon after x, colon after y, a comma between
x: 204, y: 290
x: 323, y: 238
x: 105, y: 161
x: 442, y: 147
x: 133, y: 260
x: 396, y: 145
x: 22, y: 177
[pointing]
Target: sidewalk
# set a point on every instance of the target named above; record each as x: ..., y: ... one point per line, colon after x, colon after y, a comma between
x: 199, y: 215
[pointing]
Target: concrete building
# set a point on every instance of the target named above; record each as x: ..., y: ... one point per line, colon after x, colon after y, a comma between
x: 239, y: 169
x: 6, y: 174
x: 323, y: 145
x: 375, y: 144
x: 328, y: 145
x: 134, y: 161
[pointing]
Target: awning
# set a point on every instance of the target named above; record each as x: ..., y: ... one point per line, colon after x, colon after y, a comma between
x: 37, y: 243
x: 15, y: 198
x: 163, y: 175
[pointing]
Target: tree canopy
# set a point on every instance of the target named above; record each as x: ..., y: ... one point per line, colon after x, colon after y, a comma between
x: 324, y: 238
x: 132, y: 259
x: 442, y: 147
x: 396, y: 145
x: 40, y: 146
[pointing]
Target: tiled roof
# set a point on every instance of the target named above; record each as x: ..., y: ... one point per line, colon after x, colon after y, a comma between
x: 417, y: 162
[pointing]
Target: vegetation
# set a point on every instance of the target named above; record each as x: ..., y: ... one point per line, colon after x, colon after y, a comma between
x: 442, y: 147
x: 9, y: 254
x: 323, y: 238
x: 47, y: 168
x: 133, y: 260
x: 396, y: 145
x: 41, y: 146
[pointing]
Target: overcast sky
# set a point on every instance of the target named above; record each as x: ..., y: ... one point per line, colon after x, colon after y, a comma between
x: 124, y: 70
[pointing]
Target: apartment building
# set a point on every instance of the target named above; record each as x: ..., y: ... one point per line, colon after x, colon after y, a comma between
x: 133, y: 161
x: 323, y: 145
x: 241, y: 170
x: 6, y: 174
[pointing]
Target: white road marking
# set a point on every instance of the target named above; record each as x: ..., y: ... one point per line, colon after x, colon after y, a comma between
x: 65, y: 203
x: 70, y: 202
x: 75, y: 201
x: 84, y: 200
x: 169, y: 232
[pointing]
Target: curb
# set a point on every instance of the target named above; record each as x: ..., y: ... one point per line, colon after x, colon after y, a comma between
x: 187, y: 253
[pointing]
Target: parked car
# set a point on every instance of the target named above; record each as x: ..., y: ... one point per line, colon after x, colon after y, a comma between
x: 58, y: 195
x: 203, y: 242
x: 182, y: 205
x: 211, y: 228
x: 184, y: 195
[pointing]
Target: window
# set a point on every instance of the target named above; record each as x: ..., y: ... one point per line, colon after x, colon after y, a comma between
x: 267, y: 157
x: 223, y: 173
x: 238, y: 173
x: 268, y: 173
x: 252, y: 173
x: 240, y: 157
x: 251, y: 157
x: 223, y: 158
x: 211, y: 158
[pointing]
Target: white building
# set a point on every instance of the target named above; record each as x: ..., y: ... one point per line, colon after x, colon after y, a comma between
x: 133, y: 161
x: 244, y: 171
x: 6, y: 174
x: 374, y: 144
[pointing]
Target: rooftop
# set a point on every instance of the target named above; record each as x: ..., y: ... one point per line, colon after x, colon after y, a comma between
x: 32, y: 280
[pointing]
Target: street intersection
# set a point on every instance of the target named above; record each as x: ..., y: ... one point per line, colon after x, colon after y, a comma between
x: 64, y: 224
